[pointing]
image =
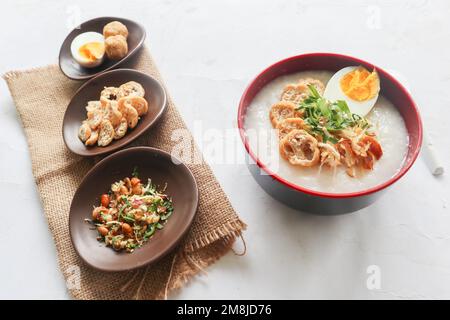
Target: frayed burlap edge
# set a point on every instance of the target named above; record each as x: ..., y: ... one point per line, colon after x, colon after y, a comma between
x: 16, y: 73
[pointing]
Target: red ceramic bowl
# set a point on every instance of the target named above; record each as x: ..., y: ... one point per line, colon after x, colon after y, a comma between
x: 313, y: 201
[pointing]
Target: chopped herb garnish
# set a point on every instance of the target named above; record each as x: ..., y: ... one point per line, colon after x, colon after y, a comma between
x: 132, y: 214
x: 150, y: 189
x: 128, y: 218
x: 135, y: 173
x: 325, y: 117
x: 166, y: 216
x: 150, y: 231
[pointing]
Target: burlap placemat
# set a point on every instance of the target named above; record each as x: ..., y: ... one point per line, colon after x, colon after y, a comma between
x: 41, y: 96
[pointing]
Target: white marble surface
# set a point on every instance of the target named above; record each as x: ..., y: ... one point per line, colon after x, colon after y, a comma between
x: 208, y: 51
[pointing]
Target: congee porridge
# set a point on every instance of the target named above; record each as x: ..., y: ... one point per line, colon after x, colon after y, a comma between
x: 327, y: 132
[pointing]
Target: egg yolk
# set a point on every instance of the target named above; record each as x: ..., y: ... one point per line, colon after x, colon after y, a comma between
x: 360, y: 84
x: 92, y: 50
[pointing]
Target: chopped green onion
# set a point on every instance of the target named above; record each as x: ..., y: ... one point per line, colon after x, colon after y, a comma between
x: 150, y: 231
x: 135, y: 173
x: 159, y: 226
x: 323, y: 116
x: 166, y: 216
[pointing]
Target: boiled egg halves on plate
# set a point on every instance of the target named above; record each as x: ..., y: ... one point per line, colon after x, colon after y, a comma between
x: 88, y: 49
x: 355, y: 85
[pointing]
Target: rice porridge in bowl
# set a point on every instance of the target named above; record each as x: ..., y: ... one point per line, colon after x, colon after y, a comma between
x: 329, y: 132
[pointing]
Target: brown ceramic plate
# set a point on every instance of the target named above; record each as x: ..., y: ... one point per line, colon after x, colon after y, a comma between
x: 151, y: 163
x: 135, y: 39
x: 76, y: 111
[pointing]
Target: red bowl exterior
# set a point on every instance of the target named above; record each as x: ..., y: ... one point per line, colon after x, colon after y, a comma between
x: 321, y: 202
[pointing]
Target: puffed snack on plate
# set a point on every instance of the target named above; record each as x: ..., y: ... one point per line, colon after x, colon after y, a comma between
x: 116, y: 47
x: 115, y: 28
x: 117, y: 111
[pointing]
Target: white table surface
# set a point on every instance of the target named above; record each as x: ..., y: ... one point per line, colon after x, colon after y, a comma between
x: 207, y: 52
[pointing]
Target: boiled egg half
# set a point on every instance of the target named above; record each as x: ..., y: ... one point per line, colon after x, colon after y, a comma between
x: 88, y: 49
x: 355, y: 85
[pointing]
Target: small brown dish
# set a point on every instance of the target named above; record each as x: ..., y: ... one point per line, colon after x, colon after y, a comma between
x: 136, y: 37
x: 76, y: 112
x: 152, y: 163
